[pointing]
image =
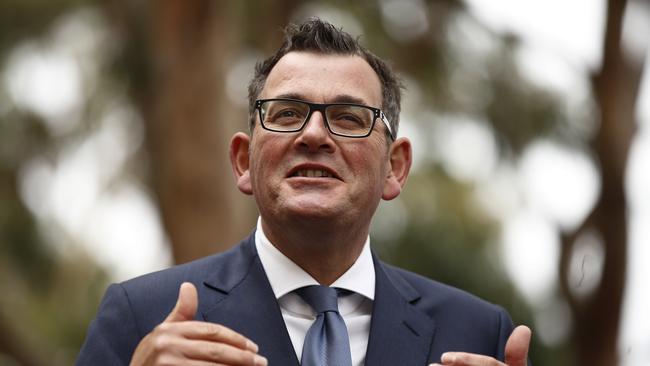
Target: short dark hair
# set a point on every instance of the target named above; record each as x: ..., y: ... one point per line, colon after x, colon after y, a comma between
x: 322, y: 37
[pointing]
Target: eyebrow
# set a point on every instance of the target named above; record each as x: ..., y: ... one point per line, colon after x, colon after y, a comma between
x: 341, y: 98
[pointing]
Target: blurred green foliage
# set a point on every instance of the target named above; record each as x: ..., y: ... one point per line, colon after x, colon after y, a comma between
x: 48, y: 296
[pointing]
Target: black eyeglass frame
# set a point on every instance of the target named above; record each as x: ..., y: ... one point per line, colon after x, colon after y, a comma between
x: 320, y: 107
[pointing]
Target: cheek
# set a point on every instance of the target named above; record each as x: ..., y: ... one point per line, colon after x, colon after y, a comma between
x: 370, y: 167
x: 264, y: 168
x: 257, y: 167
x: 371, y: 156
x: 270, y: 144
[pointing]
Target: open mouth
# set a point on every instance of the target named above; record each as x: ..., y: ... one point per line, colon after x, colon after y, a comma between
x: 312, y: 172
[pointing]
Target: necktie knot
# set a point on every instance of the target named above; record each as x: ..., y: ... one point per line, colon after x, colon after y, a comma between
x: 326, y: 342
x: 320, y: 298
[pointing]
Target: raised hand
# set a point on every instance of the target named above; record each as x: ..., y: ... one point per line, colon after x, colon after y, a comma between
x: 181, y: 340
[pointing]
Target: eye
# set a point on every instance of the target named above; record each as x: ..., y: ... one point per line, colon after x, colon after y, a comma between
x: 350, y: 117
x: 286, y: 116
x: 286, y: 113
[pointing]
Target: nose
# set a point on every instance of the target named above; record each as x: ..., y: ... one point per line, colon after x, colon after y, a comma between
x: 315, y: 136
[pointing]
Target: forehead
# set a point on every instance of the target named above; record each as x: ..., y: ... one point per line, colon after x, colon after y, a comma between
x: 323, y: 78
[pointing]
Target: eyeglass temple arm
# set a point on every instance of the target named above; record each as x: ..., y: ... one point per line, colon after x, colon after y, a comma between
x: 383, y: 118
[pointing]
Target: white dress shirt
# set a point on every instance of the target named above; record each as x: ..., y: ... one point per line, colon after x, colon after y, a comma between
x: 285, y: 276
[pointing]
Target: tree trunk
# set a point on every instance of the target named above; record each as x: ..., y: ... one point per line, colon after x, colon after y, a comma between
x: 189, y: 125
x: 177, y: 59
x: 597, y: 316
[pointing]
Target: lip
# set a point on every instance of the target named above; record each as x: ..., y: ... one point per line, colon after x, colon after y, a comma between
x: 312, y: 166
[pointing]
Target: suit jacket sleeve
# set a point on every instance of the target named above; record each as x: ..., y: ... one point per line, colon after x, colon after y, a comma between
x: 505, y: 329
x: 113, y: 335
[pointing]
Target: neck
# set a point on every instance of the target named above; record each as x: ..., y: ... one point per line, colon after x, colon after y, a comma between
x: 322, y: 251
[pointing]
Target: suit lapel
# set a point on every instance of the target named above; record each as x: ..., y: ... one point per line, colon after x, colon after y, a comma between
x: 400, y: 334
x: 239, y: 296
x: 244, y: 302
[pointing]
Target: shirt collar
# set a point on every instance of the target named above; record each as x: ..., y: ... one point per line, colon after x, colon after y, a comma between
x: 285, y: 276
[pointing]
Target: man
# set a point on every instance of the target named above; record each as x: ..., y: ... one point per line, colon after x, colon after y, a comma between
x: 322, y: 152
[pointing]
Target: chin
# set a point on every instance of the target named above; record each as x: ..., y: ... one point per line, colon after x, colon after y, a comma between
x: 314, y: 211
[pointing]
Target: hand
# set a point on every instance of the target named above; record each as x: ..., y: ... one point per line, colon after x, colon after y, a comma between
x: 516, y: 353
x: 181, y: 340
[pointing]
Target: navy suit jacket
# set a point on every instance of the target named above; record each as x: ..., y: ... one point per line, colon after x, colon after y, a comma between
x: 414, y: 319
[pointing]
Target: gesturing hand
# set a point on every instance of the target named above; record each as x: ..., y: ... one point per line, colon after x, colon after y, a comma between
x: 181, y: 340
x: 516, y: 353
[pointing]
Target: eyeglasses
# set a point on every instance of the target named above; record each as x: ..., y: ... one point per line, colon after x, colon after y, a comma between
x: 341, y: 119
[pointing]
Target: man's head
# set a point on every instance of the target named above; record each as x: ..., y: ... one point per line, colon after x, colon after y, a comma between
x: 312, y: 173
x: 320, y: 37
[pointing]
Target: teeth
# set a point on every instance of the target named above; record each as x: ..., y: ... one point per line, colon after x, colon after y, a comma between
x: 313, y: 173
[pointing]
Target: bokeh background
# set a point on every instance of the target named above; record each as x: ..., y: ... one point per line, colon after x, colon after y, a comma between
x: 531, y: 128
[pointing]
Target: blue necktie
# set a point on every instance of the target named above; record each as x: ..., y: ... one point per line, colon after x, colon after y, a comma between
x: 326, y: 342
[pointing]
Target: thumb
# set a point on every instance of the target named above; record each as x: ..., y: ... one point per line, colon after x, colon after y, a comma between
x: 186, y: 304
x: 517, y: 346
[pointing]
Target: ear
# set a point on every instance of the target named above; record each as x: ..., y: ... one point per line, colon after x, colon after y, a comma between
x: 399, y: 166
x: 240, y: 162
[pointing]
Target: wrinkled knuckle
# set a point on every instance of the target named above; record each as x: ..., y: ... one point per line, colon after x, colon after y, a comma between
x: 241, y: 342
x: 216, y: 330
x: 245, y: 357
x: 162, y: 342
x: 250, y: 358
x: 459, y: 357
x: 217, y: 353
x: 163, y: 328
x: 463, y: 359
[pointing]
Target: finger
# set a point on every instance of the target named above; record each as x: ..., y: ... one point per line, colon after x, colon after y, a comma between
x: 198, y: 330
x: 468, y: 359
x: 222, y: 353
x: 517, y: 346
x: 186, y: 304
x: 185, y: 362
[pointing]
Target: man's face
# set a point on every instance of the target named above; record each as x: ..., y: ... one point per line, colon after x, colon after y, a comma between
x: 312, y: 174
